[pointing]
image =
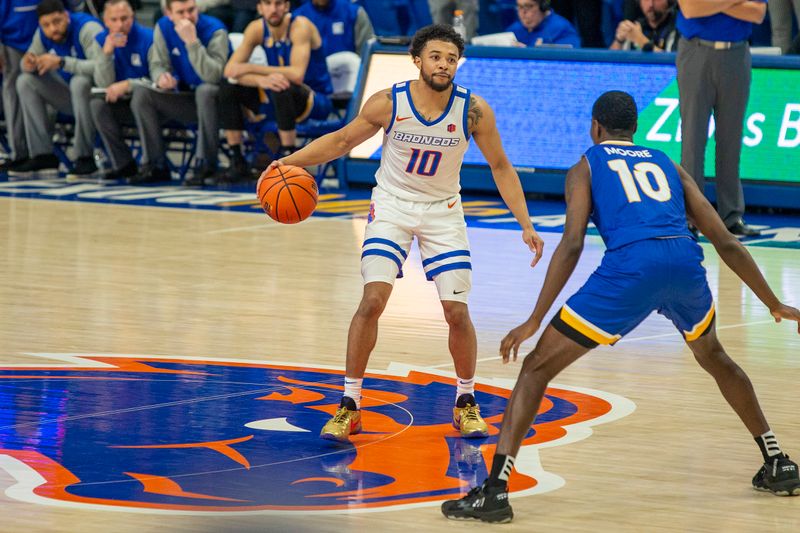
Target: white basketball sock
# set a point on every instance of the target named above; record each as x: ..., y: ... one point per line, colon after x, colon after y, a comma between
x: 465, y: 386
x: 352, y: 389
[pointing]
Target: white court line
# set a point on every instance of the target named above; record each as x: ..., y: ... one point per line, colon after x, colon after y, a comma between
x: 624, y: 339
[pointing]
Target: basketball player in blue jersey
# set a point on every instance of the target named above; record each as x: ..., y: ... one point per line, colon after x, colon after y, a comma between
x: 295, y: 82
x: 427, y: 123
x: 639, y: 200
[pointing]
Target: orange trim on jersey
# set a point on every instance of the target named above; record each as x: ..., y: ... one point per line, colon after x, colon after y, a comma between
x: 586, y: 328
x: 701, y: 326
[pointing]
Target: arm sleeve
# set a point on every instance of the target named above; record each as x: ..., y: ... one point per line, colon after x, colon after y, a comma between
x: 91, y: 50
x: 104, y: 72
x: 209, y: 61
x: 36, y: 44
x: 363, y: 30
x: 158, y: 57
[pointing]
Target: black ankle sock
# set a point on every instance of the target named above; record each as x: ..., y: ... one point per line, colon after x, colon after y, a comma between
x: 501, y: 469
x: 465, y: 400
x: 349, y: 403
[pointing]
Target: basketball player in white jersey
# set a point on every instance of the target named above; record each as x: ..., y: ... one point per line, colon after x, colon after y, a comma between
x: 427, y: 123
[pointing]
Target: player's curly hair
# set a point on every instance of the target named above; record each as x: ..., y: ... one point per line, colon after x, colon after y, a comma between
x: 616, y: 112
x: 435, y: 32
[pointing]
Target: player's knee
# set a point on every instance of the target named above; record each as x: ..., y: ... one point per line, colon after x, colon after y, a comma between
x: 371, y: 306
x: 534, y: 369
x: 456, y: 313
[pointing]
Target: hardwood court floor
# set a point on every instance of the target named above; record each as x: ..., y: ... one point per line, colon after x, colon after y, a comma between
x: 107, y: 279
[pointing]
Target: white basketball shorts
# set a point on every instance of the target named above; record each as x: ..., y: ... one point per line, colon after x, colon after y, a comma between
x: 441, y: 234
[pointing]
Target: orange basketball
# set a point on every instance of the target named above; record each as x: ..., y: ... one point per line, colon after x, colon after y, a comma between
x: 288, y: 194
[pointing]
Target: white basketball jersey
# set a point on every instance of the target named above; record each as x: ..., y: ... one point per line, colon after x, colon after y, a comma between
x: 421, y: 160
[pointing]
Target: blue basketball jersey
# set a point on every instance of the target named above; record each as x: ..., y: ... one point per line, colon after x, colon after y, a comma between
x: 279, y: 54
x: 636, y: 194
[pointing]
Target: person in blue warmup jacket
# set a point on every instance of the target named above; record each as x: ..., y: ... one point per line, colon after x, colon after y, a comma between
x: 189, y: 53
x: 18, y: 23
x: 57, y: 70
x: 127, y: 48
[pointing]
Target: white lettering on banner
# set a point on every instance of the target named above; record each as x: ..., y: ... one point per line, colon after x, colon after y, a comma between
x: 671, y: 104
x: 788, y: 122
x: 753, y: 127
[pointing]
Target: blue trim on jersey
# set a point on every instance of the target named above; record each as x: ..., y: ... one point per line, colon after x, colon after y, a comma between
x: 466, y: 110
x: 445, y: 255
x: 383, y: 253
x: 387, y: 242
x: 395, y: 90
x: 441, y: 117
x: 444, y: 268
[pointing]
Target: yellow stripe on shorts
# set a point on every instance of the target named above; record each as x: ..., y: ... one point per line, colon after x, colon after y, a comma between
x: 586, y: 328
x: 701, y: 326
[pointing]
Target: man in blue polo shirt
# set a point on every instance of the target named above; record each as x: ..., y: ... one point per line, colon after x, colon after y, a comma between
x: 18, y: 23
x: 127, y: 47
x: 714, y: 74
x: 57, y: 70
x: 539, y: 25
x: 343, y: 25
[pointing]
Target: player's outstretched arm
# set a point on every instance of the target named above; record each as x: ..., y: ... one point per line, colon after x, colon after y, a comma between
x: 736, y: 256
x: 375, y: 114
x: 578, y: 194
x: 482, y: 125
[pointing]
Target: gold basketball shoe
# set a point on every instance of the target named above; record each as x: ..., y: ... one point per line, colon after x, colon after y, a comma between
x: 468, y: 420
x: 346, y: 422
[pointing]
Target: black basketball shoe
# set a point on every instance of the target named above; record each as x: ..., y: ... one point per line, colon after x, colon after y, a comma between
x: 486, y: 503
x: 778, y: 476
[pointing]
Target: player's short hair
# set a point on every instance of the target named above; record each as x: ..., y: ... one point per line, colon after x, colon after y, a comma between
x: 435, y: 32
x: 616, y: 112
x: 48, y: 7
x: 115, y: 2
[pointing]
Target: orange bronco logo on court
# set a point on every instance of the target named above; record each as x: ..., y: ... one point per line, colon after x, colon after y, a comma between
x: 184, y: 434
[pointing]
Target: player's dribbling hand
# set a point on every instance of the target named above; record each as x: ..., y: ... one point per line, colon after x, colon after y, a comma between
x: 534, y: 242
x: 275, y: 164
x: 512, y: 341
x: 788, y: 312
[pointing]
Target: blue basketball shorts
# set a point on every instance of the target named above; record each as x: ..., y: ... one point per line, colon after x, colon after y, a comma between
x: 663, y: 275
